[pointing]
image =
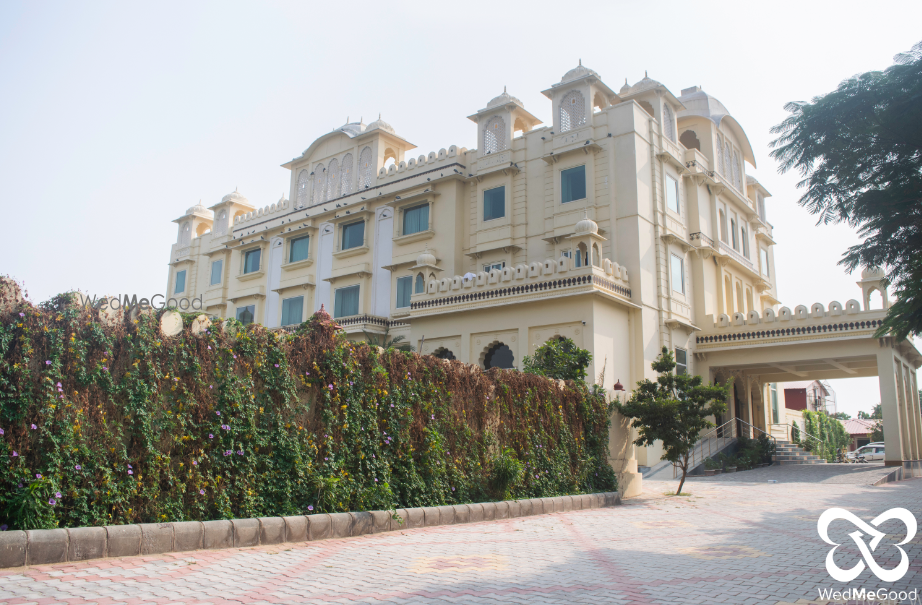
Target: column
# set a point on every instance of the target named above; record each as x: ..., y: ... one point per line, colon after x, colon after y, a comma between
x: 912, y: 411
x: 886, y: 378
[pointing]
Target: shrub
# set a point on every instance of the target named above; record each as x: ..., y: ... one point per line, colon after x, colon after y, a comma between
x: 240, y: 421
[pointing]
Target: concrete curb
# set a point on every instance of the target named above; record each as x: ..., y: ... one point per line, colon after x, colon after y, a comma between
x: 47, y: 546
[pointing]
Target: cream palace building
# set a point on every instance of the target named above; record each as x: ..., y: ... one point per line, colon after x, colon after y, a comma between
x: 627, y: 224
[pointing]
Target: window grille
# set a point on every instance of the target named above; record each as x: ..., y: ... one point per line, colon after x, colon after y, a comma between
x: 320, y: 184
x: 333, y: 179
x: 668, y: 122
x: 572, y: 111
x: 304, y: 188
x: 366, y: 168
x: 346, y: 174
x: 737, y: 173
x: 494, y: 135
x: 681, y: 361
x: 720, y: 157
x: 728, y: 158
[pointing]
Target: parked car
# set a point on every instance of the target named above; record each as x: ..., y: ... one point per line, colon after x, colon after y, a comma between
x: 866, y: 453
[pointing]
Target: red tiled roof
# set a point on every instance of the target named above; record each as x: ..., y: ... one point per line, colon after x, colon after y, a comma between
x: 855, y: 426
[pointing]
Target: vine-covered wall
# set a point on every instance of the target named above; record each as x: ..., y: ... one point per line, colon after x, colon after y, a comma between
x: 111, y: 422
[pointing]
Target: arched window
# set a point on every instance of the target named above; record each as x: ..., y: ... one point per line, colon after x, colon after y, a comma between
x: 304, y: 188
x: 334, y: 178
x: 596, y: 256
x: 739, y: 298
x: 390, y: 156
x: 719, y: 159
x: 519, y: 126
x: 723, y: 225
x: 494, y: 135
x: 582, y: 256
x: 572, y: 111
x: 748, y: 300
x: 320, y: 184
x: 668, y: 122
x: 728, y: 159
x: 185, y: 235
x: 690, y: 140
x: 202, y: 229
x: 420, y: 285
x: 346, y: 174
x: 646, y: 107
x: 599, y: 101
x: 443, y: 353
x: 366, y: 168
x: 498, y: 356
x: 737, y: 173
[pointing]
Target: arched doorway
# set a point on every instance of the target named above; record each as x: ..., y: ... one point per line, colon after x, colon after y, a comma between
x: 443, y: 353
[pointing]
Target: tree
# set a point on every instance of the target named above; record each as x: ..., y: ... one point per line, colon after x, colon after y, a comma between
x: 877, y: 433
x: 875, y: 413
x: 558, y: 358
x: 841, y: 416
x: 383, y: 341
x: 674, y: 409
x: 859, y: 151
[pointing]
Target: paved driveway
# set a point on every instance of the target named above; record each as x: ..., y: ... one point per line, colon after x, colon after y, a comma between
x: 737, y: 539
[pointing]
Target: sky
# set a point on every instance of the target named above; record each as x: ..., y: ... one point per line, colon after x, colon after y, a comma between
x: 115, y: 117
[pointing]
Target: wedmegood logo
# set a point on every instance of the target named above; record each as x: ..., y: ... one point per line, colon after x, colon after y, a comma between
x: 847, y: 575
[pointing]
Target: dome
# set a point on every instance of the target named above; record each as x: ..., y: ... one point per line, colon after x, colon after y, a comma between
x: 578, y: 72
x: 352, y: 128
x: 504, y: 99
x: 235, y: 196
x: 426, y: 258
x: 380, y: 124
x: 200, y: 210
x: 872, y: 273
x: 647, y: 83
x: 586, y: 226
x: 699, y: 103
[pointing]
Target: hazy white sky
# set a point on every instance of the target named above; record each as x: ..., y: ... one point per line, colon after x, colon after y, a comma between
x: 116, y: 117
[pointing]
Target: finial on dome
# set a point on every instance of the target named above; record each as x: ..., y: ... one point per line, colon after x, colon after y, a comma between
x: 580, y: 61
x: 645, y: 74
x: 625, y: 81
x: 504, y: 88
x: 379, y: 115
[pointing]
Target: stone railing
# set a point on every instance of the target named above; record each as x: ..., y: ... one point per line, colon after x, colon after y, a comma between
x: 280, y: 207
x: 420, y: 162
x: 728, y: 250
x: 373, y: 320
x: 48, y: 546
x: 547, y: 286
x: 699, y: 239
x: 533, y: 273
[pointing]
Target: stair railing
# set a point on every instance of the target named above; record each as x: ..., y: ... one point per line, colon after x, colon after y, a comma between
x: 811, y: 439
x: 717, y: 439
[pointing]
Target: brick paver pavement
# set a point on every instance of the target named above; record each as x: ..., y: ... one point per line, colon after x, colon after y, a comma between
x: 737, y: 539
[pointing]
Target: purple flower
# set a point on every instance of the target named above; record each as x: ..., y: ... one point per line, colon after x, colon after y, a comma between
x: 392, y: 405
x: 235, y: 357
x: 201, y: 491
x: 276, y: 365
x: 240, y: 452
x: 4, y: 526
x: 218, y: 413
x: 105, y: 368
x: 1, y: 431
x: 52, y: 501
x: 433, y: 416
x: 376, y: 479
x: 129, y: 466
x: 38, y: 475
x: 536, y: 476
x: 210, y: 436
x: 22, y: 314
x: 48, y: 362
x: 77, y: 467
x: 58, y: 385
x: 209, y: 347
x: 307, y: 373
x: 452, y: 489
x: 330, y: 387
x: 57, y: 494
x: 34, y: 427
x: 210, y: 386
x: 20, y: 485
x: 326, y: 458
x: 310, y: 508
x: 15, y: 454
x: 130, y: 472
x: 194, y: 463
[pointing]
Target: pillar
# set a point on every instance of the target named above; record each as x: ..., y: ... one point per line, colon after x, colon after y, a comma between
x: 889, y: 405
x: 912, y: 411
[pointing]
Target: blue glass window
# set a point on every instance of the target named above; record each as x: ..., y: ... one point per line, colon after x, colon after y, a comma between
x: 292, y: 309
x: 494, y: 203
x: 299, y: 249
x: 246, y: 314
x: 404, y: 290
x: 573, y: 184
x: 251, y: 261
x: 415, y: 219
x: 353, y: 235
x: 180, y: 285
x: 217, y: 268
x: 346, y: 302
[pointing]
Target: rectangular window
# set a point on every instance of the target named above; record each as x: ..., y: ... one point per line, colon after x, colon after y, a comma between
x: 494, y: 203
x: 672, y: 194
x: 217, y: 269
x: 346, y: 302
x: 404, y: 291
x: 765, y: 270
x: 353, y: 235
x: 499, y: 266
x: 251, y: 261
x: 300, y: 248
x: 681, y: 361
x: 246, y: 314
x: 734, y: 235
x: 744, y: 238
x: 573, y: 184
x: 180, y: 285
x: 678, y: 274
x: 292, y: 309
x: 416, y: 219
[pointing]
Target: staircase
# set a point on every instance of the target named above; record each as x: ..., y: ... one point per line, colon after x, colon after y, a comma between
x: 788, y: 453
